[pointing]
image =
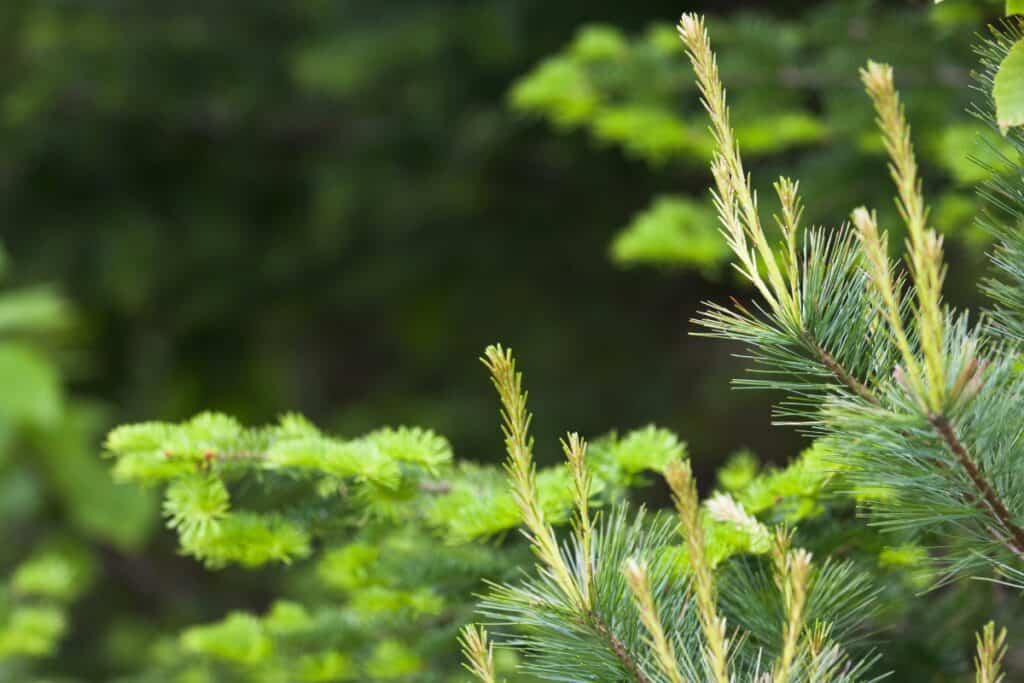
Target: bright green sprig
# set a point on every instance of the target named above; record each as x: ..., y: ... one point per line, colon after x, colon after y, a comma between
x: 684, y: 490
x: 924, y: 246
x: 522, y: 472
x: 989, y: 659
x: 478, y: 652
x: 664, y: 652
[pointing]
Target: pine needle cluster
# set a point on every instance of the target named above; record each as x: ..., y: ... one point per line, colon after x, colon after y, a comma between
x: 912, y: 405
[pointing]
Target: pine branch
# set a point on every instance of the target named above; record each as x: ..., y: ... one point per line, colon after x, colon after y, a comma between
x: 522, y: 479
x: 991, y: 650
x: 791, y: 300
x: 840, y: 372
x: 994, y: 503
x: 684, y: 490
x: 478, y: 652
x: 616, y: 645
x: 664, y: 652
x: 792, y: 572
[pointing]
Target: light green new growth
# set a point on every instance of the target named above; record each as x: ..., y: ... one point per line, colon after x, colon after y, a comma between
x: 478, y: 653
x: 575, y: 625
x: 522, y: 473
x: 991, y: 650
x: 664, y: 651
x: 684, y: 490
x: 898, y: 384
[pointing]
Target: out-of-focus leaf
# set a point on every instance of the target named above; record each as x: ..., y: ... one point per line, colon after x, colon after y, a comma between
x: 965, y: 150
x: 1008, y: 89
x: 674, y: 231
x: 32, y: 393
x: 98, y: 506
x: 32, y: 310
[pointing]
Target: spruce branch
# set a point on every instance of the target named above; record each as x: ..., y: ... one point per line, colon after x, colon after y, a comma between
x: 684, y: 494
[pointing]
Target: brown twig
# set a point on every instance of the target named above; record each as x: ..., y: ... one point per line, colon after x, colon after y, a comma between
x: 618, y: 648
x: 841, y: 374
x: 992, y: 501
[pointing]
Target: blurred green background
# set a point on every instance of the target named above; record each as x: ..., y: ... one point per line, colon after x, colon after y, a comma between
x: 333, y: 206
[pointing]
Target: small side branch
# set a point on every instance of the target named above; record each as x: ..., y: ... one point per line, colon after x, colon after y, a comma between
x: 840, y: 372
x: 617, y: 646
x: 992, y: 501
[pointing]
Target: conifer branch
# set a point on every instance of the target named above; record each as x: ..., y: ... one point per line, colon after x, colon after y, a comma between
x: 788, y: 192
x: 989, y: 658
x: 792, y: 573
x: 478, y: 653
x: 575, y: 449
x: 987, y: 500
x: 664, y: 652
x: 619, y: 648
x: 994, y: 503
x: 840, y: 373
x: 876, y: 253
x: 924, y: 252
x: 522, y: 473
x: 736, y: 200
x: 684, y: 490
x: 736, y: 204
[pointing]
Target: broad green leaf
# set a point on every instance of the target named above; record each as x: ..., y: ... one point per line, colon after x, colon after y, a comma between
x: 1014, y: 7
x: 1008, y: 90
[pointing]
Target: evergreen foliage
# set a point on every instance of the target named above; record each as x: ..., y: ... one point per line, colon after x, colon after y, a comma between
x: 914, y: 407
x: 796, y: 98
x: 363, y: 558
